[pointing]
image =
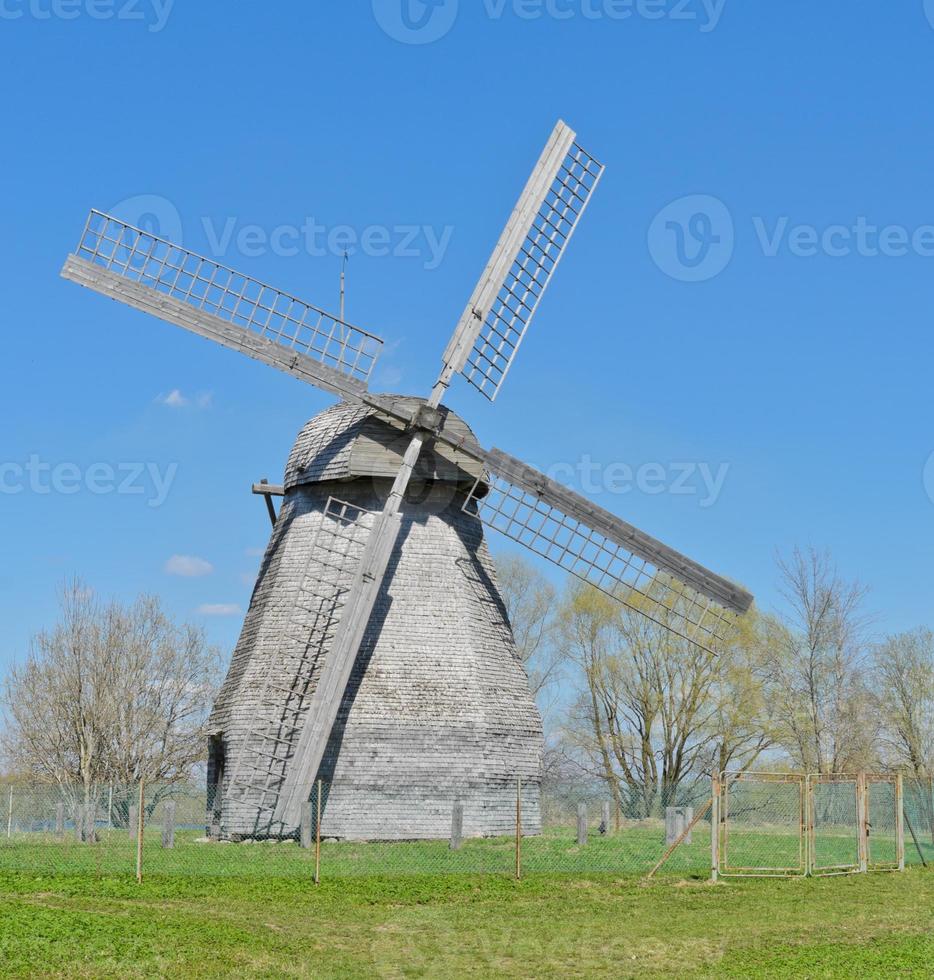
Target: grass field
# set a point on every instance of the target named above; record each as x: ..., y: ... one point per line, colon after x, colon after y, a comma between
x: 634, y: 851
x: 465, y: 926
x: 421, y: 910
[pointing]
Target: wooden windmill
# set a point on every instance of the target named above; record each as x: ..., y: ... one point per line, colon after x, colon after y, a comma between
x: 311, y: 638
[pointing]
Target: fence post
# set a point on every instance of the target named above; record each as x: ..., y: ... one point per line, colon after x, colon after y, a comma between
x: 9, y: 816
x: 714, y: 828
x: 141, y: 821
x: 862, y: 820
x: 60, y: 820
x: 168, y: 825
x: 457, y: 825
x: 318, y: 837
x: 110, y: 807
x: 581, y: 824
x: 900, y: 821
x: 307, y: 826
x: 606, y: 817
x: 519, y: 828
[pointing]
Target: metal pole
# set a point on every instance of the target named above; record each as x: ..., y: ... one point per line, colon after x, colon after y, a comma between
x: 140, y: 823
x: 318, y: 838
x: 900, y: 821
x: 518, y: 828
x: 715, y: 829
x: 110, y: 808
x: 862, y: 821
x: 9, y: 818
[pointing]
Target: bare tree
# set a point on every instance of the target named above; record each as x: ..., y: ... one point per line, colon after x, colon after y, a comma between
x: 530, y: 604
x: 904, y: 684
x: 655, y: 711
x: 818, y: 653
x: 110, y: 694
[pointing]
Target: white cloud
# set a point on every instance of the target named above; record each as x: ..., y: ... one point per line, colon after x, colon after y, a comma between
x: 221, y: 609
x: 188, y: 566
x: 176, y: 398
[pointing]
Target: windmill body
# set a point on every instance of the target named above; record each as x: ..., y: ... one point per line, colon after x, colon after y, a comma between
x: 376, y: 652
x: 438, y: 707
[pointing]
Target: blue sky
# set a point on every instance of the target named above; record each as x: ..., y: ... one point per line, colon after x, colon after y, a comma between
x: 726, y: 301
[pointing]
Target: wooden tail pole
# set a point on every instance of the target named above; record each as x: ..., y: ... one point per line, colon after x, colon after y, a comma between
x: 914, y: 837
x: 684, y: 835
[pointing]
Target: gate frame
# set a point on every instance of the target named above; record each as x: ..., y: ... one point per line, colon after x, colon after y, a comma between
x: 863, y: 782
x: 895, y: 780
x: 720, y: 838
x: 858, y: 781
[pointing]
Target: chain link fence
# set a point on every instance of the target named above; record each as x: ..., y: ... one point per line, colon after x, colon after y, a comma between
x: 48, y: 830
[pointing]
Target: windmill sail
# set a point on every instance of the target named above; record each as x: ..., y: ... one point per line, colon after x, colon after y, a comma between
x: 607, y: 552
x: 215, y: 302
x: 501, y: 308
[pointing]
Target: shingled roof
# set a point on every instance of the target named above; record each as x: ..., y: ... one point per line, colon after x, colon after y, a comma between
x: 349, y: 441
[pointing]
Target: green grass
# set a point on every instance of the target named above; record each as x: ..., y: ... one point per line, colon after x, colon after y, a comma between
x: 419, y: 909
x: 633, y: 851
x: 465, y: 926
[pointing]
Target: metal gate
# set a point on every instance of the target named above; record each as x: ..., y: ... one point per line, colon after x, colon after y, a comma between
x: 783, y: 825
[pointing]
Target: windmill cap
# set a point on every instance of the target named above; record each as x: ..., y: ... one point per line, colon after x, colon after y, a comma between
x: 347, y: 442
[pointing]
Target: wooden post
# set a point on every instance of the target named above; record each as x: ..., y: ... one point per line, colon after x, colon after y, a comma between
x: 900, y: 821
x: 60, y: 820
x: 606, y: 816
x: 168, y: 825
x: 9, y: 816
x: 519, y: 828
x: 862, y: 819
x: 307, y: 826
x: 318, y: 837
x: 581, y: 824
x: 457, y: 825
x: 140, y: 823
x: 715, y: 829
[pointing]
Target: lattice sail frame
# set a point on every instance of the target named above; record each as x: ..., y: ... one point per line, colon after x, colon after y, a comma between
x: 600, y: 559
x: 499, y: 313
x: 289, y: 678
x: 205, y: 285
